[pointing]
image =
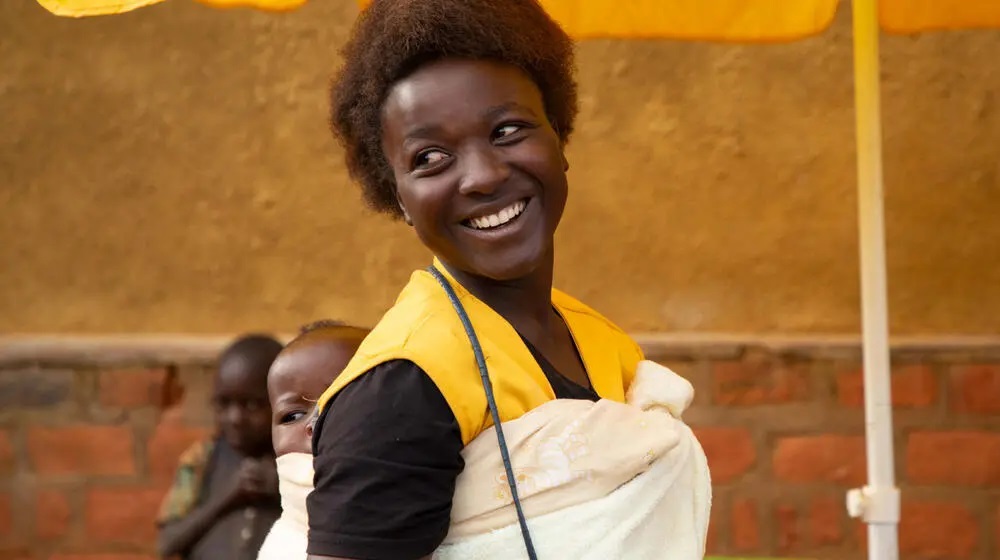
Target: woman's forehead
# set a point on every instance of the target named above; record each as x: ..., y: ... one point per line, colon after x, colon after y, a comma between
x: 448, y: 88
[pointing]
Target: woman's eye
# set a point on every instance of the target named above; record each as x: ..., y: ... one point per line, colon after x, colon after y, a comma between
x: 292, y: 417
x: 429, y: 158
x: 506, y: 130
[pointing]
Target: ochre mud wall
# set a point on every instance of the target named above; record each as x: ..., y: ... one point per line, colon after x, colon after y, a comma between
x: 170, y: 170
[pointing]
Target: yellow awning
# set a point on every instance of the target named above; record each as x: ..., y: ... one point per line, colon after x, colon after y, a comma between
x: 753, y: 20
x: 718, y: 20
x: 85, y: 8
x: 913, y: 16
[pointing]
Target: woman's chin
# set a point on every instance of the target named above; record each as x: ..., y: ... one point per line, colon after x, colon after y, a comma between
x: 509, y: 266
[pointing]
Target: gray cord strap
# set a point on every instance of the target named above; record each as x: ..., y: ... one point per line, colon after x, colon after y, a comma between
x: 491, y: 402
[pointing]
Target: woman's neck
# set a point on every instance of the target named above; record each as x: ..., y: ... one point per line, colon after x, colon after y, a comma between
x: 526, y: 303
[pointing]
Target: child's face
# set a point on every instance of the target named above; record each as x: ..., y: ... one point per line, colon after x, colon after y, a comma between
x: 242, y: 411
x: 297, y: 379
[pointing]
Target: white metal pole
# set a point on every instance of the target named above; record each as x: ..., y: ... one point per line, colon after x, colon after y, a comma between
x: 878, y: 502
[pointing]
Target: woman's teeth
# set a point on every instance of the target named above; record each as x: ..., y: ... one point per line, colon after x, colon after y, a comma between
x: 500, y: 218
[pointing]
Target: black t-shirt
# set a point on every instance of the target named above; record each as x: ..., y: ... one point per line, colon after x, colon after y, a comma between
x: 388, y: 450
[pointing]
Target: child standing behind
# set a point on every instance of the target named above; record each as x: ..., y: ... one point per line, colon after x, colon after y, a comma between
x: 224, y: 498
x: 302, y: 372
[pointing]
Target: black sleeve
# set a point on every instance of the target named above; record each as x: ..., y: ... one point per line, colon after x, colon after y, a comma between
x: 387, y: 453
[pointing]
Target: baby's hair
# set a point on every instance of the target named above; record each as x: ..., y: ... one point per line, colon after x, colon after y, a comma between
x: 331, y: 327
x: 320, y: 324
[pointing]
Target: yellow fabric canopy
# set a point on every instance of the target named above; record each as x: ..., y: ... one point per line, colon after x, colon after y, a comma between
x: 912, y: 16
x: 718, y: 20
x: 85, y: 8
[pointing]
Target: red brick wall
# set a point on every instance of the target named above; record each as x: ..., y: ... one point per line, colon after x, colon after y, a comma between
x: 87, y: 451
x: 88, y: 442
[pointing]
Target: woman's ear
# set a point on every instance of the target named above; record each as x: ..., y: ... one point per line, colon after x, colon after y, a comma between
x: 562, y: 144
x: 402, y: 208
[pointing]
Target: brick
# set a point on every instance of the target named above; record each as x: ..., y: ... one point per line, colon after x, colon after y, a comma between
x: 938, y: 530
x: 123, y: 515
x: 88, y: 450
x: 861, y: 533
x: 137, y: 388
x: 744, y: 526
x: 820, y: 458
x: 52, y: 514
x: 996, y: 529
x: 961, y: 458
x: 975, y: 389
x: 6, y: 515
x: 7, y: 460
x: 165, y: 446
x: 196, y: 406
x: 913, y: 386
x: 786, y: 523
x: 730, y: 452
x: 757, y: 381
x: 101, y: 557
x: 826, y: 515
x: 34, y: 388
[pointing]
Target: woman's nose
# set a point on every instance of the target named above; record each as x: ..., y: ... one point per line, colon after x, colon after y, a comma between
x: 483, y: 171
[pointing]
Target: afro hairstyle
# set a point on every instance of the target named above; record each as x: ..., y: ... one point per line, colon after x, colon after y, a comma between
x: 393, y: 38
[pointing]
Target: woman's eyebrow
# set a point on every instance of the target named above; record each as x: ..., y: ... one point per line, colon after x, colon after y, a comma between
x: 497, y: 110
x: 423, y: 131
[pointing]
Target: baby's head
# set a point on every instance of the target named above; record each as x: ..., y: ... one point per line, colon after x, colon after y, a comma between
x: 300, y: 375
x: 242, y: 411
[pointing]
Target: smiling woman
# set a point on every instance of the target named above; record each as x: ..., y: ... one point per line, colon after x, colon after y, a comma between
x: 482, y: 182
x: 454, y: 115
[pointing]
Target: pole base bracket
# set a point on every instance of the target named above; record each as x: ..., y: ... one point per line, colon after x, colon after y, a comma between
x: 874, y: 504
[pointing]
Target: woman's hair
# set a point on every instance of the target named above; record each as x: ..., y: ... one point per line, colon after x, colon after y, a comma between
x: 392, y: 38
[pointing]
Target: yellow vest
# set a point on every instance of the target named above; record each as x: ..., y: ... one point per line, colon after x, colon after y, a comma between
x: 424, y: 328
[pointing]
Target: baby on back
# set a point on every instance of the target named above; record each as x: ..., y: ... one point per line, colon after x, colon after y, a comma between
x: 300, y: 374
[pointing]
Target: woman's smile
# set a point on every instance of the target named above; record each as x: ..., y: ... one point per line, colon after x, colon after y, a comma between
x: 506, y: 216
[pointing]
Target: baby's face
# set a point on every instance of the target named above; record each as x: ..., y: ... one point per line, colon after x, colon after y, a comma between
x: 296, y: 381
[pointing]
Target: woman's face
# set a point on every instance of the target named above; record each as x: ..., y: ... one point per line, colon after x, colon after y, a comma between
x: 480, y: 172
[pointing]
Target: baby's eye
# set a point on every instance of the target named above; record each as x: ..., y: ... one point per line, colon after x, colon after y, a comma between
x: 292, y: 417
x: 429, y: 158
